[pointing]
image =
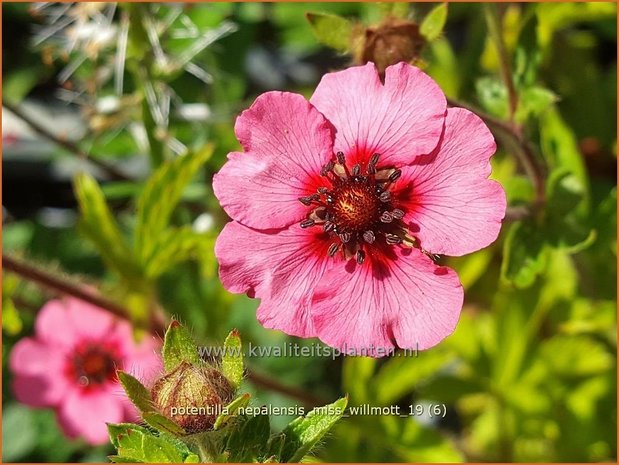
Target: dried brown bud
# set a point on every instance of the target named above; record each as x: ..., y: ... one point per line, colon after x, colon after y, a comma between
x: 192, y: 396
x: 390, y: 42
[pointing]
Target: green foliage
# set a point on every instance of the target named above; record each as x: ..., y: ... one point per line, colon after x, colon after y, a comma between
x: 432, y: 25
x: 304, y: 432
x: 332, y: 30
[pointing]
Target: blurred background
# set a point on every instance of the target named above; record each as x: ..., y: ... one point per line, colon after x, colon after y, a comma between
x: 115, y: 90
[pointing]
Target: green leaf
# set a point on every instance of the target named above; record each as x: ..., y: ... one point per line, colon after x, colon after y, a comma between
x: 231, y: 410
x: 232, y: 360
x: 533, y: 101
x: 248, y: 443
x: 117, y: 430
x: 176, y: 245
x: 331, y: 30
x: 492, y: 95
x: 434, y: 22
x: 97, y: 224
x: 304, y: 432
x: 137, y: 393
x: 179, y: 346
x: 524, y: 254
x: 137, y: 444
x: 576, y: 356
x: 160, y: 196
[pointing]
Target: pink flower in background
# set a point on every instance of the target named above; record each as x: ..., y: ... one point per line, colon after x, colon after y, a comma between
x: 70, y: 365
x: 339, y: 203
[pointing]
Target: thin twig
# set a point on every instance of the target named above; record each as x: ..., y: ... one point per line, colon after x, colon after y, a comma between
x: 494, y: 28
x: 71, y: 147
x: 62, y: 286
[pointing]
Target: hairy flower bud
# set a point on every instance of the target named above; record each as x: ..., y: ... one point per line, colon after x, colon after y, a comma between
x: 390, y: 42
x: 192, y: 396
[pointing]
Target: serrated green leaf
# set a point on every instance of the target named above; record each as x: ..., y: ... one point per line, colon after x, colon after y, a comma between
x: 98, y: 224
x: 432, y: 25
x: 248, y: 442
x: 331, y: 30
x: 136, y: 391
x: 118, y: 429
x: 231, y: 410
x: 232, y: 360
x: 304, y: 432
x: 179, y: 346
x: 176, y: 245
x: 161, y: 195
x: 159, y: 450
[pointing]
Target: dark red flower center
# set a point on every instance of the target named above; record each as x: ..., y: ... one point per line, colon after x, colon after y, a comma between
x: 94, y: 364
x: 356, y: 208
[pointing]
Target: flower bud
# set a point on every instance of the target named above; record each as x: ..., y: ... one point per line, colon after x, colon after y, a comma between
x: 192, y: 396
x: 390, y: 42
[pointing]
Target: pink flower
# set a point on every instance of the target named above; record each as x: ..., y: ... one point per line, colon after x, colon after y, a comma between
x: 70, y: 365
x: 339, y: 202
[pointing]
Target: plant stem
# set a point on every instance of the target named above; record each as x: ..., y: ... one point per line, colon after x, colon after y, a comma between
x: 71, y: 147
x: 494, y: 28
x: 59, y: 285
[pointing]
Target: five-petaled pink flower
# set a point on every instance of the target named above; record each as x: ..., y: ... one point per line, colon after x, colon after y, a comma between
x: 70, y: 365
x: 339, y: 204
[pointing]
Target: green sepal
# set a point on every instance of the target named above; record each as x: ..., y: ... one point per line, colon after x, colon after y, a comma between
x: 136, y: 391
x: 232, y: 360
x: 231, y: 410
x: 179, y: 346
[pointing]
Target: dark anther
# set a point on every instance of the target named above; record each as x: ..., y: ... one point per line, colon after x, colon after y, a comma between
x: 345, y: 237
x: 323, y: 190
x: 374, y: 159
x: 356, y: 170
x: 385, y: 196
x: 360, y: 256
x: 386, y: 217
x: 371, y: 169
x: 325, y: 169
x: 392, y: 239
x: 307, y: 223
x: 306, y: 200
x: 395, y: 175
x: 369, y: 237
x: 333, y: 249
x: 397, y: 214
x: 328, y: 226
x: 340, y: 158
x: 321, y: 213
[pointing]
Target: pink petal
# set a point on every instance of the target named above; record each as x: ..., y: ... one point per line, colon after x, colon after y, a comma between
x: 39, y: 373
x: 397, y: 299
x: 280, y: 267
x: 65, y: 322
x: 450, y: 205
x: 85, y: 414
x: 399, y: 120
x: 287, y: 142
